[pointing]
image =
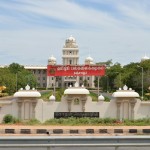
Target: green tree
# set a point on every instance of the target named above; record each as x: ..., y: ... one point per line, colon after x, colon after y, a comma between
x: 15, y: 77
x: 15, y: 68
x: 112, y: 73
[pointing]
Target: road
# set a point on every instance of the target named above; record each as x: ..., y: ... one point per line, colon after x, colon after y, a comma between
x: 75, y: 143
x: 109, y: 95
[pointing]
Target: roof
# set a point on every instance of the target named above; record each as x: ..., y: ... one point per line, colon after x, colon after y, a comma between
x: 52, y: 58
x: 145, y: 58
x: 126, y: 93
x: 29, y: 93
x: 35, y: 67
x: 71, y: 38
x: 76, y: 91
x: 89, y: 58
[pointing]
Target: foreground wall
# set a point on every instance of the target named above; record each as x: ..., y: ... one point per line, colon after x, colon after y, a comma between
x: 45, y: 110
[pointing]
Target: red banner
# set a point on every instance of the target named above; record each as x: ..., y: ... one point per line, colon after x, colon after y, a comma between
x: 78, y: 70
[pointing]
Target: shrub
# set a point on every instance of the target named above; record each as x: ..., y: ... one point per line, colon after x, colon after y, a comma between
x: 107, y: 99
x: 108, y: 120
x: 33, y: 122
x: 8, y: 119
x: 3, y: 94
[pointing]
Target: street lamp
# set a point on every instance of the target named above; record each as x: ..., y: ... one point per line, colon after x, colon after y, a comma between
x: 98, y: 87
x: 16, y: 82
x: 107, y: 79
x: 142, y: 80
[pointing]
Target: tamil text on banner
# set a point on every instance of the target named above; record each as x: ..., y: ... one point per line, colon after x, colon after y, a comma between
x: 79, y: 70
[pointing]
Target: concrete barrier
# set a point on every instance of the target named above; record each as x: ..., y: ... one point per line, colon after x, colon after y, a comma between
x: 88, y: 131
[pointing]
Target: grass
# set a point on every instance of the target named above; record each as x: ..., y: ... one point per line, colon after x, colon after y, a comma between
x: 95, y: 97
x: 59, y: 93
x: 88, y: 122
x: 97, y: 122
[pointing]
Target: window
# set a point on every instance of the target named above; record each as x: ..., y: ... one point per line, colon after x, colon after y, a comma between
x: 43, y: 78
x: 44, y: 71
x: 76, y: 101
x: 70, y: 62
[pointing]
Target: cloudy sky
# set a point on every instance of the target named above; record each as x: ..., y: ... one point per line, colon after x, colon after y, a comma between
x: 33, y: 30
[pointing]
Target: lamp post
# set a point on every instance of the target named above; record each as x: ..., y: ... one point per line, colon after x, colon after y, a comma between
x: 16, y: 81
x: 54, y: 85
x: 107, y: 79
x: 98, y: 87
x: 120, y: 78
x: 141, y: 79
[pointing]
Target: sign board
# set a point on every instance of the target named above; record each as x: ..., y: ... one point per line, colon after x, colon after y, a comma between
x: 75, y: 70
x: 76, y: 114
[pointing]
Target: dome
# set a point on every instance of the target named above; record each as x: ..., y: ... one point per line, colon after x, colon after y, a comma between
x: 70, y: 42
x: 89, y: 59
x: 101, y: 98
x: 52, y: 58
x: 71, y: 38
x: 52, y: 98
x: 145, y: 58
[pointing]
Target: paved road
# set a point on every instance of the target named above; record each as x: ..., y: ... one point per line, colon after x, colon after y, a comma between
x: 75, y: 143
x: 109, y: 95
x: 79, y: 148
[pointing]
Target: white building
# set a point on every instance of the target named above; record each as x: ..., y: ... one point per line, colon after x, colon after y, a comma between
x: 70, y: 56
x: 145, y: 58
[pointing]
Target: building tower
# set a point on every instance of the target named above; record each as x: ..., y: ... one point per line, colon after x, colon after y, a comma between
x: 51, y: 81
x: 70, y: 56
x: 70, y: 52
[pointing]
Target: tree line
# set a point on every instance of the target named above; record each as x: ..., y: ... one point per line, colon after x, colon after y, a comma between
x: 117, y: 76
x: 15, y: 77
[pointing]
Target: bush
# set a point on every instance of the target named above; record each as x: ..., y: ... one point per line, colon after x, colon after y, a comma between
x: 3, y: 94
x: 33, y: 122
x: 8, y: 119
x: 107, y: 99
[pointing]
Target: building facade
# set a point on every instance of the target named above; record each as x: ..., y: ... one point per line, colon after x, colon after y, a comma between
x: 40, y: 73
x: 70, y: 56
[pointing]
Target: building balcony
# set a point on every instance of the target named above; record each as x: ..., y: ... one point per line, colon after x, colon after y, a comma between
x: 70, y: 79
x: 70, y: 56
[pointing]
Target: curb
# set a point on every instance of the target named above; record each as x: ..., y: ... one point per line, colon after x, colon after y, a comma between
x: 78, y: 132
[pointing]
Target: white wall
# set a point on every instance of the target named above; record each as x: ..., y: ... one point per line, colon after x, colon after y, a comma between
x: 45, y: 110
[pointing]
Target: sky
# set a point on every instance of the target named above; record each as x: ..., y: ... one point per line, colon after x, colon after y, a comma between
x: 33, y: 30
